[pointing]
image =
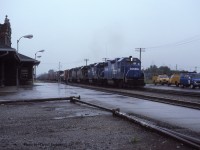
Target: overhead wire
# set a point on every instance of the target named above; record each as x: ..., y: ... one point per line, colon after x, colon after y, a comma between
x: 179, y: 43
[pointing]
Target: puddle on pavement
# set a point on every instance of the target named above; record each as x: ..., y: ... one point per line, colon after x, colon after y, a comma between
x: 99, y: 93
x: 69, y: 88
x: 78, y: 114
x: 59, y: 118
x: 73, y: 93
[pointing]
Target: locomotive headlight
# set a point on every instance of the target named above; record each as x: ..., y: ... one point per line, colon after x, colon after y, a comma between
x: 131, y: 58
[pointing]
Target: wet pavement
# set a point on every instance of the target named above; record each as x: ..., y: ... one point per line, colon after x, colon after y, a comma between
x: 39, y: 90
x: 174, y: 115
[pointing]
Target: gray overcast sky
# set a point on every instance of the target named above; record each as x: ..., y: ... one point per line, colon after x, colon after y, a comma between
x: 73, y: 30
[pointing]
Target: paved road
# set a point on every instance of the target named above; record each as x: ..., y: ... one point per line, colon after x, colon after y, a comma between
x: 174, y: 115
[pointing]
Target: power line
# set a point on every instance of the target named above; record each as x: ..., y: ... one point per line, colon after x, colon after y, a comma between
x: 140, y: 50
x: 179, y: 43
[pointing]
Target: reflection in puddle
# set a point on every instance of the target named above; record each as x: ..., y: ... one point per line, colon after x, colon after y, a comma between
x: 59, y: 118
x: 77, y: 115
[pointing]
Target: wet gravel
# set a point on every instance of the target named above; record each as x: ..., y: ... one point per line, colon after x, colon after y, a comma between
x: 63, y: 125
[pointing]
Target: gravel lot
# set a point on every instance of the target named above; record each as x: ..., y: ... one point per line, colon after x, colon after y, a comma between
x: 63, y: 125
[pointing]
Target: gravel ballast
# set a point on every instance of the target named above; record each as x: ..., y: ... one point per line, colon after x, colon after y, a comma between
x: 63, y: 125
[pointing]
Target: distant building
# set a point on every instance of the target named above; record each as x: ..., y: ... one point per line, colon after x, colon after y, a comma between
x: 15, y: 69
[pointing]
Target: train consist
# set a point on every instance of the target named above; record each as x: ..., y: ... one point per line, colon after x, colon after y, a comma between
x: 119, y: 72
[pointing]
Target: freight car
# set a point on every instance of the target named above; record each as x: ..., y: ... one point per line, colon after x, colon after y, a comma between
x: 91, y: 73
x: 72, y: 75
x: 94, y: 73
x: 119, y: 72
x: 82, y: 74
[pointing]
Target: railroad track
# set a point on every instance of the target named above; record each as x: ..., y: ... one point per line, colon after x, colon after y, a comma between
x: 171, y: 101
x: 174, y: 92
x: 190, y: 141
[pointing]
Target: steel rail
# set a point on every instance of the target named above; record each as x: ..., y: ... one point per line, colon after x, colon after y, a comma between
x: 170, y: 101
x: 182, y: 103
x: 147, y: 89
x: 182, y: 138
x: 3, y: 102
x: 190, y: 141
x: 195, y: 140
x: 174, y: 92
x: 74, y: 99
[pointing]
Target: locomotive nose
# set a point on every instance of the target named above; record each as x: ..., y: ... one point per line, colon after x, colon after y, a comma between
x: 133, y: 73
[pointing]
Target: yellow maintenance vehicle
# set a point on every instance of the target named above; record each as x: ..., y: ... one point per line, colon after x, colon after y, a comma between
x: 174, y: 79
x: 160, y: 79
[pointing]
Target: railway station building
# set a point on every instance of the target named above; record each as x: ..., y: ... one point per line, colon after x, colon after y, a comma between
x: 15, y: 68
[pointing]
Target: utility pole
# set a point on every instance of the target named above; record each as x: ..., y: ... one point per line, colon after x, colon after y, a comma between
x: 59, y: 66
x: 195, y: 68
x: 86, y: 60
x: 140, y: 50
x: 105, y: 59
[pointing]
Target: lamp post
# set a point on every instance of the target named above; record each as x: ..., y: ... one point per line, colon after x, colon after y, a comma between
x: 29, y: 36
x: 40, y: 51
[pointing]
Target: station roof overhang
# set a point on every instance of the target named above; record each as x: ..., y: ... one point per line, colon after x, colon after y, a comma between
x: 27, y: 59
x: 11, y: 53
x: 8, y: 53
x: 7, y: 49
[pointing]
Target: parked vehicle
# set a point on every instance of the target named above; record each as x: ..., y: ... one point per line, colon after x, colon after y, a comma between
x: 174, y: 79
x: 162, y: 79
x: 154, y: 78
x: 190, y: 79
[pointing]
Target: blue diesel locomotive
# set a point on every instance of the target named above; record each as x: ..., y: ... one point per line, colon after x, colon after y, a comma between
x: 125, y: 71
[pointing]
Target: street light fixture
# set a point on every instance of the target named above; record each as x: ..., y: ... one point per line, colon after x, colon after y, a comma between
x: 40, y: 51
x: 29, y: 36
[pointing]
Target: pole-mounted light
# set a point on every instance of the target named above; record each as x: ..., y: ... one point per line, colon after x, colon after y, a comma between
x: 40, y: 51
x: 29, y: 36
